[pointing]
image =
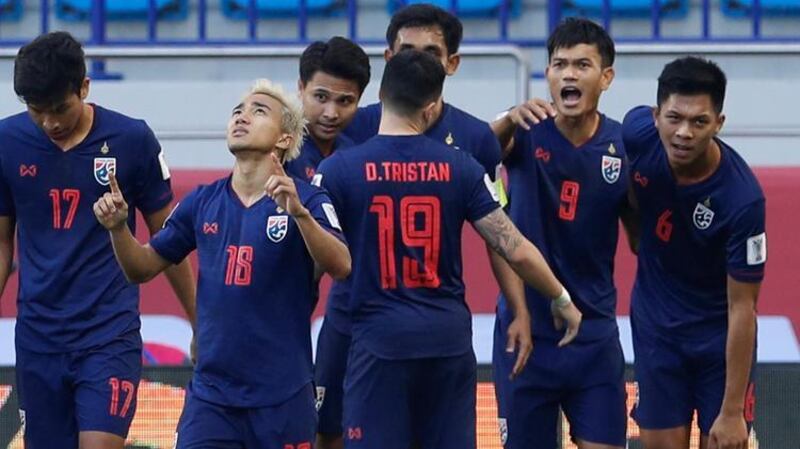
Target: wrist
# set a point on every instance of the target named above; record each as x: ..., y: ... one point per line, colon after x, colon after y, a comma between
x: 564, y: 300
x: 301, y: 214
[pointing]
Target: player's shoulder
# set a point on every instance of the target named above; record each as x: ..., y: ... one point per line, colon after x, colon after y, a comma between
x: 740, y: 181
x: 115, y: 119
x: 15, y: 126
x: 466, y: 120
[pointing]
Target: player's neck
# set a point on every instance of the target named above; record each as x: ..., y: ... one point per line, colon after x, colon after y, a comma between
x: 578, y: 130
x: 250, y: 173
x: 396, y: 125
x: 700, y: 169
x: 325, y: 147
x: 81, y: 129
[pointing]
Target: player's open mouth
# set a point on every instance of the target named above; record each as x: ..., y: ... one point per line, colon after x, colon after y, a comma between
x: 570, y: 96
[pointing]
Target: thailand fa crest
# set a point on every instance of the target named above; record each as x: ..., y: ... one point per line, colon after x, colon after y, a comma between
x: 320, y: 397
x: 702, y: 216
x: 104, y: 166
x: 277, y: 227
x: 502, y: 424
x: 611, y: 168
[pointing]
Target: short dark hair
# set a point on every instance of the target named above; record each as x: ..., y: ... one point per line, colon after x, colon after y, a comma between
x: 692, y: 75
x: 411, y: 80
x: 424, y: 15
x: 574, y: 31
x: 49, y: 68
x: 338, y: 57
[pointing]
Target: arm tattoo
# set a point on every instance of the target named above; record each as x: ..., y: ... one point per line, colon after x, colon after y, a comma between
x: 500, y: 233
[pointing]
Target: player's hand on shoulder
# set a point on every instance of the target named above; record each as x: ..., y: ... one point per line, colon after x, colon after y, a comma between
x: 111, y: 209
x: 728, y: 432
x: 532, y: 112
x: 565, y: 313
x: 281, y: 188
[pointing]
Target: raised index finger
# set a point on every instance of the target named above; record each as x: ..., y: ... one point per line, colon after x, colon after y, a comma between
x: 277, y: 167
x: 112, y: 181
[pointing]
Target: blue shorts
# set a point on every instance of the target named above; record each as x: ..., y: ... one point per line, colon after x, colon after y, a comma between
x: 676, y: 378
x: 585, y: 379
x: 289, y: 425
x: 329, y: 370
x: 87, y: 390
x: 392, y: 404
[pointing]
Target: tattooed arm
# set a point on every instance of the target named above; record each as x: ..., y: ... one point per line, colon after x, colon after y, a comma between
x: 525, y: 259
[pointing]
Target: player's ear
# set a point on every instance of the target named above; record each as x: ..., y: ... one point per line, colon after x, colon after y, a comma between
x: 284, y: 143
x: 428, y: 113
x: 387, y: 54
x: 300, y: 86
x: 607, y: 77
x: 720, y: 122
x: 84, y: 91
x: 453, y: 62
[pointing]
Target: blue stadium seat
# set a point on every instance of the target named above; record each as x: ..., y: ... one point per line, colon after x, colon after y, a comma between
x: 10, y: 10
x: 744, y: 8
x: 237, y: 9
x: 77, y: 10
x: 465, y: 8
x: 625, y: 8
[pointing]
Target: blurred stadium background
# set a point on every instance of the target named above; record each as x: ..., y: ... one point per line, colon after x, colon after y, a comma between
x: 182, y: 65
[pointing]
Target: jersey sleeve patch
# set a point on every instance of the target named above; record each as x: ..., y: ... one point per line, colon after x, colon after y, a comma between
x: 491, y: 188
x: 316, y: 180
x: 757, y: 249
x: 162, y: 162
x: 330, y: 214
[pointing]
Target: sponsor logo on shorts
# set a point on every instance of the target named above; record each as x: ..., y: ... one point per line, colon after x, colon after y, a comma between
x: 502, y: 425
x: 320, y: 397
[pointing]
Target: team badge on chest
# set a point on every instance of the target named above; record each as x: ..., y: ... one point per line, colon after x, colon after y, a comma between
x: 611, y: 168
x: 277, y: 227
x: 703, y: 216
x: 103, y: 166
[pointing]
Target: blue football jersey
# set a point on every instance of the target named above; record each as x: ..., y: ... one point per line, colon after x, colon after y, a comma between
x: 72, y: 294
x: 567, y: 201
x: 305, y: 165
x: 254, y: 291
x: 402, y: 202
x: 455, y: 128
x: 692, y: 236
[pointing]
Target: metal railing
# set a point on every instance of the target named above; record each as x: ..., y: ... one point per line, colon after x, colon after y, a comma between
x: 348, y: 11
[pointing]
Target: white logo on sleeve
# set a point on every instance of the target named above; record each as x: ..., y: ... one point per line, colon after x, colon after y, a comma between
x: 490, y: 187
x: 757, y: 249
x: 162, y: 162
x: 330, y: 214
x: 317, y: 180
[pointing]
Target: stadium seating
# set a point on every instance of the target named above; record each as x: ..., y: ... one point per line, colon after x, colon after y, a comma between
x: 10, y: 10
x: 465, y: 8
x: 625, y: 8
x: 744, y: 8
x: 80, y: 10
x: 237, y: 9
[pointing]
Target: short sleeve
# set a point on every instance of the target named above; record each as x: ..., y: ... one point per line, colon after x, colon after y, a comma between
x: 747, y: 244
x: 7, y: 208
x: 489, y: 154
x: 522, y: 139
x: 482, y: 195
x: 327, y: 178
x: 639, y: 132
x: 154, y: 190
x: 177, y: 238
x: 322, y: 209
